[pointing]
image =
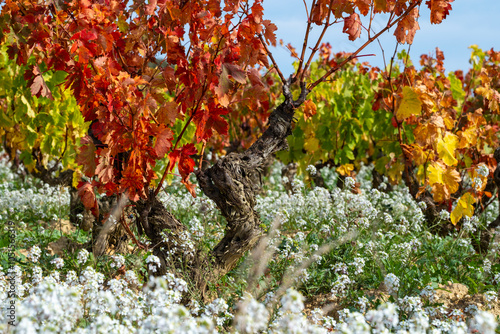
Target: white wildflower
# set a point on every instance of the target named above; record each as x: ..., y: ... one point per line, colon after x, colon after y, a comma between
x: 34, y: 254
x: 391, y: 282
x: 58, y: 262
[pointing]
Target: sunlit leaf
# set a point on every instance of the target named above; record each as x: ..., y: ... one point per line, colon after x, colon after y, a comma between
x: 465, y: 207
x: 410, y: 104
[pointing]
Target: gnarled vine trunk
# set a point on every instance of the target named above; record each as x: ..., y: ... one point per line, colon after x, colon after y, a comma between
x: 232, y: 183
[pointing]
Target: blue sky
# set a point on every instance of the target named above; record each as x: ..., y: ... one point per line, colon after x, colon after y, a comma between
x: 470, y: 22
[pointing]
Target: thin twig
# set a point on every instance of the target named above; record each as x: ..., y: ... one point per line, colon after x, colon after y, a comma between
x: 270, y: 55
x: 316, y: 47
x: 201, y: 154
x: 306, y: 38
x: 368, y: 42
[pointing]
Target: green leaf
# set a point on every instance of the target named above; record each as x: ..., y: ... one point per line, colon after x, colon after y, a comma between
x: 457, y: 90
x: 4, y: 240
x: 5, y: 121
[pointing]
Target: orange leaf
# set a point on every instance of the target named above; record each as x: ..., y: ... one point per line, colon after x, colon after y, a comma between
x: 352, y: 26
x: 309, y: 109
x: 189, y: 186
x: 407, y: 27
x: 269, y: 34
x: 439, y: 9
x: 104, y: 169
x: 364, y: 6
x: 167, y: 113
x: 440, y: 192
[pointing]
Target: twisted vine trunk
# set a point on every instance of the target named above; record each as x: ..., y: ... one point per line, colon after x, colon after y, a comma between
x: 232, y: 183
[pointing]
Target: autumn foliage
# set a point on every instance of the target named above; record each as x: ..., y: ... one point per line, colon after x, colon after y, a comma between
x: 134, y: 78
x: 143, y: 73
x: 447, y: 127
x: 164, y: 80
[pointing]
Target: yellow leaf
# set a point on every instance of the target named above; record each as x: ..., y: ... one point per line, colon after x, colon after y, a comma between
x: 77, y: 176
x: 443, y: 180
x: 446, y: 149
x: 464, y: 208
x: 440, y: 193
x: 345, y: 169
x: 448, y: 119
x: 420, y: 156
x: 436, y: 172
x: 468, y: 138
x: 410, y: 104
x: 451, y: 178
x: 311, y: 144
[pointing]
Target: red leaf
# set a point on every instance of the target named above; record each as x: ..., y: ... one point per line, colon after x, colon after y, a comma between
x: 174, y: 158
x: 163, y: 142
x: 352, y: 26
x: 223, y: 88
x: 86, y: 156
x: 185, y: 164
x: 394, y: 122
x: 87, y: 196
x: 167, y: 113
x: 319, y: 12
x: 254, y: 76
x: 209, y: 119
x: 85, y: 35
x: 189, y: 149
x: 82, y: 45
x: 170, y: 78
x: 150, y: 8
x: 39, y: 88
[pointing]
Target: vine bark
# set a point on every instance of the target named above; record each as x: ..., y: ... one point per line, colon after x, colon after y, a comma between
x: 232, y: 183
